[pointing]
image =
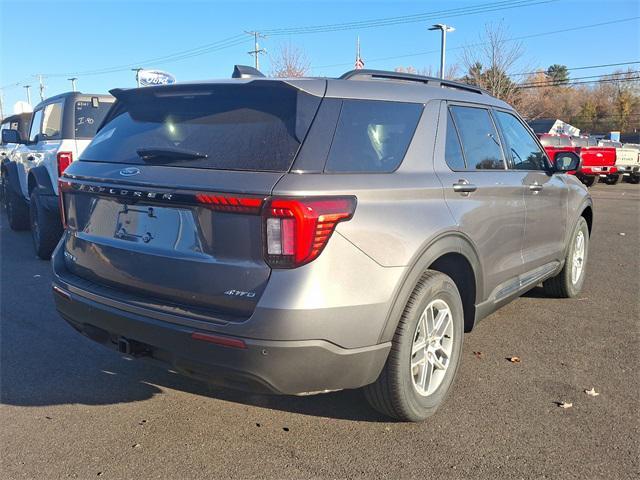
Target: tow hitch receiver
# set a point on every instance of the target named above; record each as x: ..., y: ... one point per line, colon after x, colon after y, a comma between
x: 133, y: 348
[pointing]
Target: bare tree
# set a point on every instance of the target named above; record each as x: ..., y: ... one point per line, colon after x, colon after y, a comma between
x: 451, y: 72
x: 289, y: 61
x: 488, y: 62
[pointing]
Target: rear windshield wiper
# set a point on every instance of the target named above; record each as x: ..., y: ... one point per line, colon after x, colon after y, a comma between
x: 168, y: 153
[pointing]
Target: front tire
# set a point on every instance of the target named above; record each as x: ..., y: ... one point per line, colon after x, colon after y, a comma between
x: 425, y: 352
x: 46, y: 228
x: 568, y: 283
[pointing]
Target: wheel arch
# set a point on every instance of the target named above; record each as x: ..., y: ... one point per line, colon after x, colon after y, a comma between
x: 39, y: 177
x: 453, y: 254
x: 587, y: 213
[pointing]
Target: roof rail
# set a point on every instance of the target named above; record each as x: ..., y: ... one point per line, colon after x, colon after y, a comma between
x: 409, y: 77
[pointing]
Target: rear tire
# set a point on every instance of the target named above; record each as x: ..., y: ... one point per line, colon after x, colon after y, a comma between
x: 17, y: 209
x: 46, y: 228
x: 612, y: 179
x: 635, y: 179
x: 589, y: 181
x: 423, y: 359
x: 568, y: 283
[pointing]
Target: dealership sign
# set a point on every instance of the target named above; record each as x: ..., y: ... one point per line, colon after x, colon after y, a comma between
x: 149, y: 78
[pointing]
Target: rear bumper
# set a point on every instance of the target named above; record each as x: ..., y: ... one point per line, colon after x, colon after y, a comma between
x: 604, y: 170
x: 628, y: 169
x: 274, y: 366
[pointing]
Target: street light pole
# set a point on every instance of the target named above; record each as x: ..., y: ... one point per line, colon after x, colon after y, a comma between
x: 443, y: 43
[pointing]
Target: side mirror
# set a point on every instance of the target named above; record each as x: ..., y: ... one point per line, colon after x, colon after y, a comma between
x: 566, y: 162
x: 11, y: 136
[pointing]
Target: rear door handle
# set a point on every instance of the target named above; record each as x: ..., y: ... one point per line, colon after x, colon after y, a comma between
x: 463, y: 186
x: 535, y: 187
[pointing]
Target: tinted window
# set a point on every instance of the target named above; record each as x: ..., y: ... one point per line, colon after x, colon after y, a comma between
x: 255, y: 126
x: 35, y: 125
x: 372, y: 136
x: 89, y: 117
x: 453, y: 150
x: 479, y: 138
x: 52, y: 120
x: 521, y: 147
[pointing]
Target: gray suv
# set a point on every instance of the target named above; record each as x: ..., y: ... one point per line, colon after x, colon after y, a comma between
x: 302, y: 236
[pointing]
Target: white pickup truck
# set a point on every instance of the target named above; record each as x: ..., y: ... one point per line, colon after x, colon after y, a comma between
x: 61, y: 128
x: 628, y: 162
x: 19, y: 122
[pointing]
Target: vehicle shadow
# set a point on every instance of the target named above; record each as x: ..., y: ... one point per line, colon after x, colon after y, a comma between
x: 60, y: 366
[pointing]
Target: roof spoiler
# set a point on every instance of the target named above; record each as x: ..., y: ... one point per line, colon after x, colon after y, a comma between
x: 245, y: 71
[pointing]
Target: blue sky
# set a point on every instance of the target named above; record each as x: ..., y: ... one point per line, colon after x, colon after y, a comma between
x: 60, y: 38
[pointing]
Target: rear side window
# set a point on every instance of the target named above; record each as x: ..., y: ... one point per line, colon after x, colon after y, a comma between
x: 256, y: 126
x: 372, y: 136
x: 52, y: 120
x: 88, y: 116
x: 453, y: 151
x: 479, y: 137
x: 524, y: 152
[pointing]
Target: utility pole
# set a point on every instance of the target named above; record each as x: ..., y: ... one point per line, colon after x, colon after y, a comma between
x: 28, y: 87
x: 137, y: 70
x: 257, y: 51
x: 73, y: 83
x: 443, y: 44
x: 41, y: 87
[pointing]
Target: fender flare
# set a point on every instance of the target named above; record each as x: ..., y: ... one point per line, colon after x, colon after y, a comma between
x: 448, y: 242
x: 39, y: 178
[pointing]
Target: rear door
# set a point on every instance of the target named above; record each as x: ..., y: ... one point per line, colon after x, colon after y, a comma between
x: 165, y: 204
x: 545, y: 195
x: 484, y: 197
x: 28, y: 155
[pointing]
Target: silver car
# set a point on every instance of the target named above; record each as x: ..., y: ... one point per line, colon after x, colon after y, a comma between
x: 302, y: 236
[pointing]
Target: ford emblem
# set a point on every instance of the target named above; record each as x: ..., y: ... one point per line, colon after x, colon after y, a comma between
x: 129, y: 172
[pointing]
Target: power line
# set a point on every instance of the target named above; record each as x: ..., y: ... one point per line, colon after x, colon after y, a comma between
x: 587, y: 67
x: 524, y: 37
x: 553, y: 83
x: 404, y: 19
x: 570, y: 84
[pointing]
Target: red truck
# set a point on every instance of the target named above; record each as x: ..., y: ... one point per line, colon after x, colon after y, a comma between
x: 596, y: 162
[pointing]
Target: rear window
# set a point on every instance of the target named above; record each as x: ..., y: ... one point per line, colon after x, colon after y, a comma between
x: 372, y: 136
x: 256, y: 126
x: 579, y: 142
x: 89, y: 114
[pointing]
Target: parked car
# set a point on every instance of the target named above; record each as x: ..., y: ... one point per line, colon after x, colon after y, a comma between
x: 305, y: 235
x: 628, y: 162
x: 60, y: 129
x: 597, y: 162
x: 19, y: 122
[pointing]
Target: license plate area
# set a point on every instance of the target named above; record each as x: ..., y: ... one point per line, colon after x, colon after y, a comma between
x: 158, y: 227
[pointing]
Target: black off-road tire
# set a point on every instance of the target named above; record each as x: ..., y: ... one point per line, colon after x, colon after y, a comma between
x: 394, y: 394
x: 562, y: 286
x: 17, y: 209
x: 590, y: 180
x: 634, y: 179
x: 46, y: 228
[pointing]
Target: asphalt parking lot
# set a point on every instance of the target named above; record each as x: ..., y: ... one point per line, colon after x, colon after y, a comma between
x: 71, y: 409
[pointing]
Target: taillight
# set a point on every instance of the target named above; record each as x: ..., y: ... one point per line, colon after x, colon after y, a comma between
x: 64, y: 160
x: 297, y: 230
x: 230, y: 203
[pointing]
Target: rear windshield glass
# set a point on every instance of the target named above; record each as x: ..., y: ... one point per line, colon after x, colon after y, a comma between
x: 580, y: 142
x: 88, y: 116
x: 256, y: 126
x: 372, y: 136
